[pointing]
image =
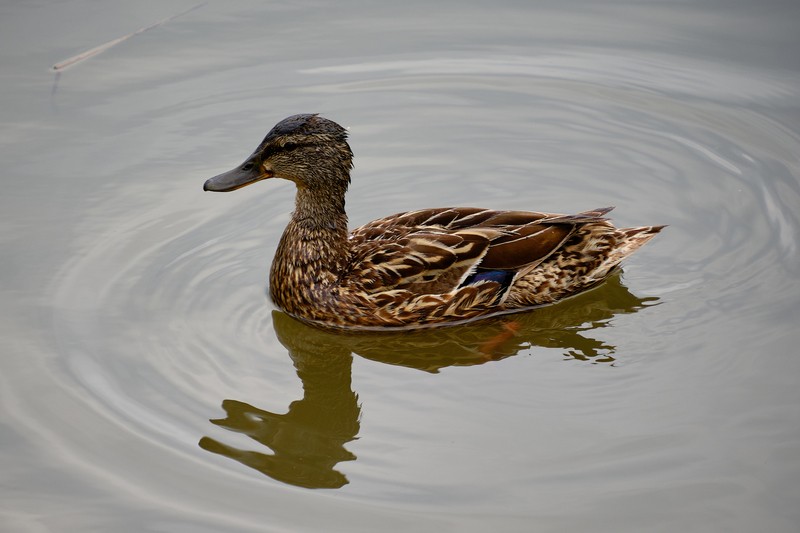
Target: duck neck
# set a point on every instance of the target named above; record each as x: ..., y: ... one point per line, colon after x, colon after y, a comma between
x: 312, y: 252
x: 319, y: 208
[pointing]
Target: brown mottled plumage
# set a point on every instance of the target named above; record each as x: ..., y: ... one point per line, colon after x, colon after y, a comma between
x: 421, y: 268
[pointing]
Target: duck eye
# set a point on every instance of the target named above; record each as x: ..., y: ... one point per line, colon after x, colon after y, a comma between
x: 248, y: 166
x: 290, y: 146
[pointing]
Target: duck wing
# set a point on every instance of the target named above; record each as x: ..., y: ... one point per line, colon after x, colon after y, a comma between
x: 436, y: 251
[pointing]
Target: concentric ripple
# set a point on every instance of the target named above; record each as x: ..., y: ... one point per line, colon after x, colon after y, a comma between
x: 163, y: 317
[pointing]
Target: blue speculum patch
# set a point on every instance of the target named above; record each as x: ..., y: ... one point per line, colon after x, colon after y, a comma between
x: 503, y: 277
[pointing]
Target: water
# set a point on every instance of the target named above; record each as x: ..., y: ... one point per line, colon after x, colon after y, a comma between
x: 149, y: 385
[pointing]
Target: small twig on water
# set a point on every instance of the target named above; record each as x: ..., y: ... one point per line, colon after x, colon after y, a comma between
x: 63, y: 65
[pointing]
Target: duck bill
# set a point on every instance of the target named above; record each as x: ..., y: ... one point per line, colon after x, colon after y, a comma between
x: 237, y: 178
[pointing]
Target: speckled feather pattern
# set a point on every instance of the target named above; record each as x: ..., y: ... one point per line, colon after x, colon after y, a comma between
x: 407, y: 270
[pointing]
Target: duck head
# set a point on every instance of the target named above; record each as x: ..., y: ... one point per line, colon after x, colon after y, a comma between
x: 307, y: 149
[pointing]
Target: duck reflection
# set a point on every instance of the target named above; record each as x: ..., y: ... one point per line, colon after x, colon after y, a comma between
x: 308, y: 441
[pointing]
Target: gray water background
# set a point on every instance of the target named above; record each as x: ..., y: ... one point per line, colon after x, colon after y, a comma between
x: 147, y: 385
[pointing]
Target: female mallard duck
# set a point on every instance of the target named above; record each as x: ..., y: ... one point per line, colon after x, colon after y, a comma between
x: 417, y: 269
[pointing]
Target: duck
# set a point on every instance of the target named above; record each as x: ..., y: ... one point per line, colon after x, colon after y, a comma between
x: 416, y: 269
